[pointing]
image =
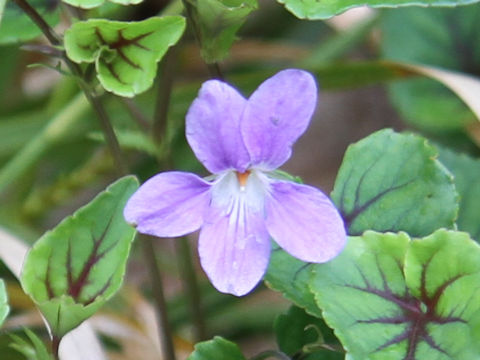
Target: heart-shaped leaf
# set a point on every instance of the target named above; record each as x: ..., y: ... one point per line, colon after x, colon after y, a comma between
x: 125, y: 53
x: 218, y: 22
x: 466, y: 172
x: 315, y: 9
x: 290, y: 276
x: 89, y: 4
x: 4, y: 308
x: 217, y: 348
x: 392, y: 182
x: 388, y: 297
x: 445, y: 38
x: 75, y: 268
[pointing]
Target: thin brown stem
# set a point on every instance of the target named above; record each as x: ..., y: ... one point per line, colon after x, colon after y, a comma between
x: 166, y: 337
x: 92, y: 98
x: 135, y: 113
x: 190, y: 282
x: 108, y: 131
x: 52, y: 37
x: 160, y: 126
x: 215, y: 71
x: 160, y: 117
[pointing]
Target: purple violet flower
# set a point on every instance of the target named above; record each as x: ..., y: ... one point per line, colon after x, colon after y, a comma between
x: 245, y: 203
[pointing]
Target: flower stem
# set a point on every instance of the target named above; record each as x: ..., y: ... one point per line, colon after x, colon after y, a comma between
x: 160, y: 126
x: 166, y: 337
x: 190, y: 283
x: 160, y: 117
x: 55, y: 346
x: 271, y: 354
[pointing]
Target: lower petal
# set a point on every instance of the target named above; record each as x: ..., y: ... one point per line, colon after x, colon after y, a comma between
x: 304, y: 222
x: 169, y: 204
x: 234, y: 249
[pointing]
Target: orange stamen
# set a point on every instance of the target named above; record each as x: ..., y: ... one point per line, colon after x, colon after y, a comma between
x: 242, y: 178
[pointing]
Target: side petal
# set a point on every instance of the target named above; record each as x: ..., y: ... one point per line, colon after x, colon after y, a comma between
x: 169, y: 204
x: 234, y: 250
x: 304, y: 222
x: 276, y: 114
x: 213, y: 127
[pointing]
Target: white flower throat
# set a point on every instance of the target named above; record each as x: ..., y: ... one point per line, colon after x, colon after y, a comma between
x: 233, y: 191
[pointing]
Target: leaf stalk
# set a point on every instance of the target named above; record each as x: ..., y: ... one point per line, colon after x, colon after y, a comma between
x: 92, y: 98
x: 166, y: 337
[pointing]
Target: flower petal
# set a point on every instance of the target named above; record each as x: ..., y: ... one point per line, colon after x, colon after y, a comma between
x: 304, y: 222
x: 213, y: 127
x: 276, y: 114
x: 169, y: 204
x: 234, y: 249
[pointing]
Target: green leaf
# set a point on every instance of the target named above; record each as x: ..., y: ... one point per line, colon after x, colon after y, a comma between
x: 297, y: 333
x: 125, y: 53
x: 445, y: 38
x: 218, y: 22
x: 15, y: 26
x: 89, y: 4
x: 33, y: 350
x: 466, y: 172
x: 392, y: 182
x: 218, y: 348
x: 4, y: 308
x: 75, y: 268
x: 290, y: 276
x: 315, y: 9
x: 391, y: 298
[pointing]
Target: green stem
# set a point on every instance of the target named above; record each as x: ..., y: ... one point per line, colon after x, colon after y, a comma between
x: 166, y: 337
x: 94, y: 100
x: 56, y: 130
x: 270, y: 354
x: 190, y: 283
x: 107, y: 128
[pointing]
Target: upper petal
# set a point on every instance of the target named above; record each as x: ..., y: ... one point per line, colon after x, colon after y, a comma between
x: 275, y: 116
x: 234, y: 249
x: 169, y: 204
x: 213, y: 127
x: 304, y: 222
